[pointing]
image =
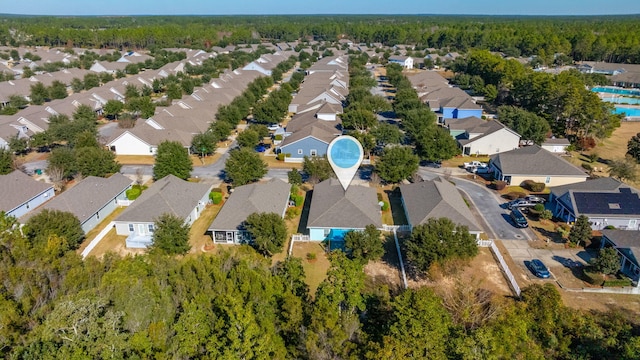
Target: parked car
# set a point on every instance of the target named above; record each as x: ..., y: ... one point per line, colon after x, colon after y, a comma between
x: 535, y: 199
x: 520, y: 203
x: 273, y: 127
x: 518, y: 218
x: 539, y: 269
x: 475, y: 163
x: 433, y: 164
x: 261, y: 148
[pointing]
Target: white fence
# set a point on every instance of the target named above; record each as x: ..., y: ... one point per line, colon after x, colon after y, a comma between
x: 485, y: 243
x: 505, y: 268
x: 300, y: 237
x: 97, y: 239
x: 124, y: 202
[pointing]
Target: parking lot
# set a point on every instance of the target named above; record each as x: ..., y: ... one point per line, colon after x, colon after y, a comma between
x: 563, y: 263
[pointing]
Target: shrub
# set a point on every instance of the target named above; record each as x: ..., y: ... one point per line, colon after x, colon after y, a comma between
x: 311, y: 256
x: 499, y: 184
x: 291, y: 213
x: 280, y: 157
x: 563, y: 230
x: 298, y: 199
x: 379, y: 196
x: 135, y: 192
x: 538, y: 207
x: 294, y: 189
x: 216, y: 197
x: 385, y: 206
x: 586, y: 143
x: 592, y: 277
x: 617, y: 282
x: 533, y: 186
x: 514, y: 195
x: 587, y: 166
x: 218, y: 190
x: 610, y: 227
x: 278, y: 137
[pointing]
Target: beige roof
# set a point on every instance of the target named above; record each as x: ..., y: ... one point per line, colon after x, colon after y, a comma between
x: 167, y: 195
x: 435, y: 199
x: 332, y: 207
x: 269, y: 197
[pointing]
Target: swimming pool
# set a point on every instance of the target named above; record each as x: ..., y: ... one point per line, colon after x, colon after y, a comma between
x: 628, y: 111
x: 622, y: 100
x: 616, y: 91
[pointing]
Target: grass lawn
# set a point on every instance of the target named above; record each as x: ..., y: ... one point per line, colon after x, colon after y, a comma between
x: 387, y: 216
x: 113, y: 242
x: 274, y: 163
x: 615, y: 148
x: 199, y: 240
x: 315, y: 270
x: 136, y: 159
x: 93, y: 233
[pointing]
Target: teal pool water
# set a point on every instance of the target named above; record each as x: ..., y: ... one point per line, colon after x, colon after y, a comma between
x: 622, y: 100
x: 627, y: 111
x: 616, y: 91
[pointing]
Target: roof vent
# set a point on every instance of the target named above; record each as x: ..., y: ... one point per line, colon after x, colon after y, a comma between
x: 614, y: 206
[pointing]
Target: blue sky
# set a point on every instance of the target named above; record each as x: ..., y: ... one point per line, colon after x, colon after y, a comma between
x: 258, y: 7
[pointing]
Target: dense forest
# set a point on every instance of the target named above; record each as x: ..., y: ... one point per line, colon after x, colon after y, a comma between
x: 602, y: 38
x: 238, y: 305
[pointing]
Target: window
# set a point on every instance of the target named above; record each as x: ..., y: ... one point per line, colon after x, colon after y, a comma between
x: 299, y: 151
x: 313, y: 152
x: 547, y: 180
x: 98, y: 215
x: 28, y: 205
x: 130, y: 227
x: 151, y: 228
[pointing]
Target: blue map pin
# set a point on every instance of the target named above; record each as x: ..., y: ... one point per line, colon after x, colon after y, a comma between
x: 345, y: 155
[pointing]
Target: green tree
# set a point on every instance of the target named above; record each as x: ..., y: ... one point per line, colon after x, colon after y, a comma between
x: 435, y: 143
x: 63, y: 159
x: 420, y: 327
x: 244, y: 166
x: 248, y: 139
x: 268, y: 232
x: 57, y: 90
x: 387, y: 134
x: 221, y: 130
x: 91, y: 81
x: 581, y: 230
x: 172, y: 159
x: 18, y: 101
x: 40, y: 227
x: 77, y: 85
x: 607, y: 262
x: 358, y: 119
x: 6, y: 161
x: 113, y: 108
x: 18, y: 145
x: 170, y: 235
x: 365, y: 245
x: 294, y: 176
x: 96, y: 161
x: 529, y: 125
x: 38, y: 94
x: 623, y: 169
x: 203, y: 143
x: 633, y: 147
x: 396, y: 164
x: 174, y: 91
x: 438, y: 241
x: 317, y: 168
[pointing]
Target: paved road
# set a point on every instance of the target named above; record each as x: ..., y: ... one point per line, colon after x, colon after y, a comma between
x: 488, y: 205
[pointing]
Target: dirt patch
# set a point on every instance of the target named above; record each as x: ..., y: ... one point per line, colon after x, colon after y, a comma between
x: 387, y: 270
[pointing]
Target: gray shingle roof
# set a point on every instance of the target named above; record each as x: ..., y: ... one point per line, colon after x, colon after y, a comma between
x: 167, y: 195
x: 87, y: 197
x: 18, y: 188
x: 332, y: 207
x: 600, y: 184
x: 436, y: 199
x: 534, y: 160
x: 269, y: 197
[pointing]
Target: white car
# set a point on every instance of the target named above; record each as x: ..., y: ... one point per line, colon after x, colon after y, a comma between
x: 273, y: 127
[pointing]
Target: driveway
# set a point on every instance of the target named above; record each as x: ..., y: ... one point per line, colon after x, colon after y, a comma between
x: 487, y: 202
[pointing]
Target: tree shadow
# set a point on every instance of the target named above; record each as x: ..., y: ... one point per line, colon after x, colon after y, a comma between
x: 551, y: 235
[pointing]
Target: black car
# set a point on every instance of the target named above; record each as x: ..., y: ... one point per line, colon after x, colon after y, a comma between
x: 539, y: 269
x: 434, y: 164
x: 519, y: 219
